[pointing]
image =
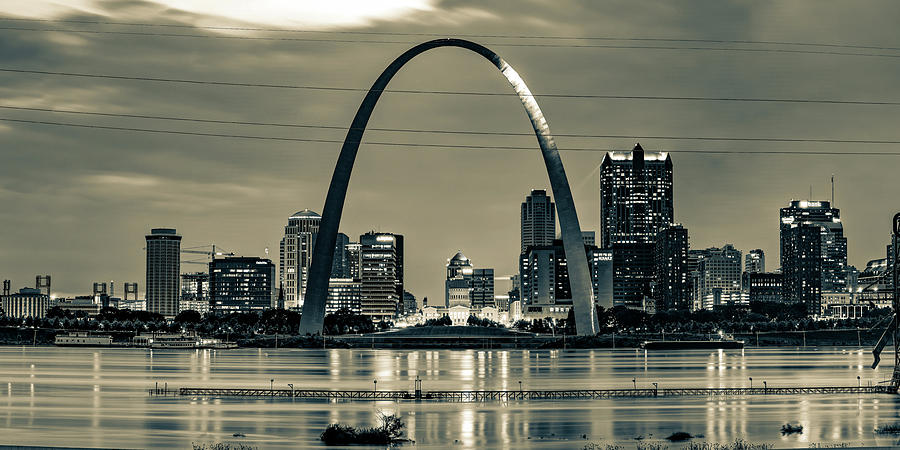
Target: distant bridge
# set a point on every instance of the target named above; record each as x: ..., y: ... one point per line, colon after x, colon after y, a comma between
x: 506, y: 395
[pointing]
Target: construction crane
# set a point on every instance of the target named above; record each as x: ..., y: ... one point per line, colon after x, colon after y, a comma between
x: 212, y: 253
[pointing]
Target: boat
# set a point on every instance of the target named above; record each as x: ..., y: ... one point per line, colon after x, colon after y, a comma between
x: 179, y: 341
x: 693, y: 345
x: 83, y: 339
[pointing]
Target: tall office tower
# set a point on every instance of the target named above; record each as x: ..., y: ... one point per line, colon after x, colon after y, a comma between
x: 340, y: 265
x: 351, y: 251
x: 538, y: 220
x: 813, y: 253
x: 99, y: 289
x: 163, y: 271
x: 543, y: 286
x: 458, y: 283
x: 381, y: 274
x: 755, y: 261
x: 239, y: 283
x: 601, y: 264
x: 718, y: 277
x: 195, y: 292
x: 343, y: 293
x: 295, y: 255
x: 482, y: 288
x: 636, y: 202
x: 673, y: 282
x: 410, y: 305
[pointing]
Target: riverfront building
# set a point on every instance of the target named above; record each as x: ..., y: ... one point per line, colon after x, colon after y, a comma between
x: 672, y: 288
x: 241, y: 284
x: 343, y: 293
x: 813, y: 253
x: 718, y: 278
x: 163, y: 271
x: 28, y: 302
x: 295, y: 255
x: 636, y: 203
x: 755, y: 261
x: 381, y: 274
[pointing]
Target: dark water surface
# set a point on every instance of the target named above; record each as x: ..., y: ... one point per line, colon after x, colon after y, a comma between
x: 99, y: 397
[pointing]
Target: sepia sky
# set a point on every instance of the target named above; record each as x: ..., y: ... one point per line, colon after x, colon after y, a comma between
x: 76, y: 202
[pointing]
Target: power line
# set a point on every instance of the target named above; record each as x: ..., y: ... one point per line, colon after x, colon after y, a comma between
x: 491, y: 36
x: 494, y: 44
x: 454, y: 132
x: 420, y: 91
x: 445, y: 146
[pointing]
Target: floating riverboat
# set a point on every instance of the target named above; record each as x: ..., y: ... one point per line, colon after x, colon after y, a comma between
x: 83, y: 339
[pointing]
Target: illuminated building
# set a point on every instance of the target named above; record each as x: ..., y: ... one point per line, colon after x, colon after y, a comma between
x: 163, y: 271
x: 467, y: 286
x: 241, y: 284
x: 195, y: 292
x: 763, y: 286
x: 636, y: 202
x: 538, y: 220
x: 295, y: 255
x: 28, y: 302
x: 673, y: 280
x: 755, y: 261
x: 813, y: 253
x: 381, y: 274
x: 718, y: 278
x: 343, y: 293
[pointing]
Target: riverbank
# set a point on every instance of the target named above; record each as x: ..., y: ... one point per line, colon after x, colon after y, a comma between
x: 484, y: 338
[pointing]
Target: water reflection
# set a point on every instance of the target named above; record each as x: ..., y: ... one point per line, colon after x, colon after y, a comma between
x: 99, y: 397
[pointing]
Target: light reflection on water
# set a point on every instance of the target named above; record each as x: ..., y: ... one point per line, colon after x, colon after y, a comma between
x: 98, y: 397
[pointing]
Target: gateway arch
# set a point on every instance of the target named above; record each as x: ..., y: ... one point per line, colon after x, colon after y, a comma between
x: 313, y: 316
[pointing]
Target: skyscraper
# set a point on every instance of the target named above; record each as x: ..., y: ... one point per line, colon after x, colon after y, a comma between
x: 636, y: 202
x: 538, y: 220
x: 813, y: 253
x: 295, y: 255
x: 482, y: 288
x: 241, y: 284
x: 673, y: 280
x: 458, y: 282
x: 163, y: 271
x: 755, y: 261
x: 381, y: 274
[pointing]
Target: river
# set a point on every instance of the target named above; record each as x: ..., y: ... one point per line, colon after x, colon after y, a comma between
x: 99, y: 398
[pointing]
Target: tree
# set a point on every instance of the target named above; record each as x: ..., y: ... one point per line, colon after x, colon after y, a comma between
x: 188, y: 316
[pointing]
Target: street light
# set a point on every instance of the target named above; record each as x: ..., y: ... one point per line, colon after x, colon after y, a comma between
x: 376, y: 385
x: 765, y: 386
x: 272, y: 384
x: 751, y: 382
x: 520, y: 386
x: 292, y: 389
x: 634, y: 382
x: 655, y: 389
x: 858, y: 382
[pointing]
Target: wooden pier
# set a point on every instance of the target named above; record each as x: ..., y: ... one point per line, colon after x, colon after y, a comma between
x: 511, y: 395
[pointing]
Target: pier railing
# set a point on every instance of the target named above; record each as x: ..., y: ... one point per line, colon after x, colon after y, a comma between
x: 506, y: 395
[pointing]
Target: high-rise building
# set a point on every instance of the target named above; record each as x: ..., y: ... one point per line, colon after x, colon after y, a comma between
x: 240, y: 283
x: 295, y: 255
x: 538, y: 220
x: 755, y: 261
x: 673, y: 280
x: 351, y: 251
x: 636, y: 202
x: 813, y: 253
x: 340, y: 265
x: 589, y: 238
x: 343, y: 293
x: 381, y: 274
x: 718, y: 280
x: 482, y: 289
x: 163, y: 271
x: 601, y: 265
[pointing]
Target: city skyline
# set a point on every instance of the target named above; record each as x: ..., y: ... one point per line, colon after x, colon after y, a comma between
x: 236, y: 194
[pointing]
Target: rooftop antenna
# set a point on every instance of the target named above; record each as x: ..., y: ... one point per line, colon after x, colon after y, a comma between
x: 832, y: 190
